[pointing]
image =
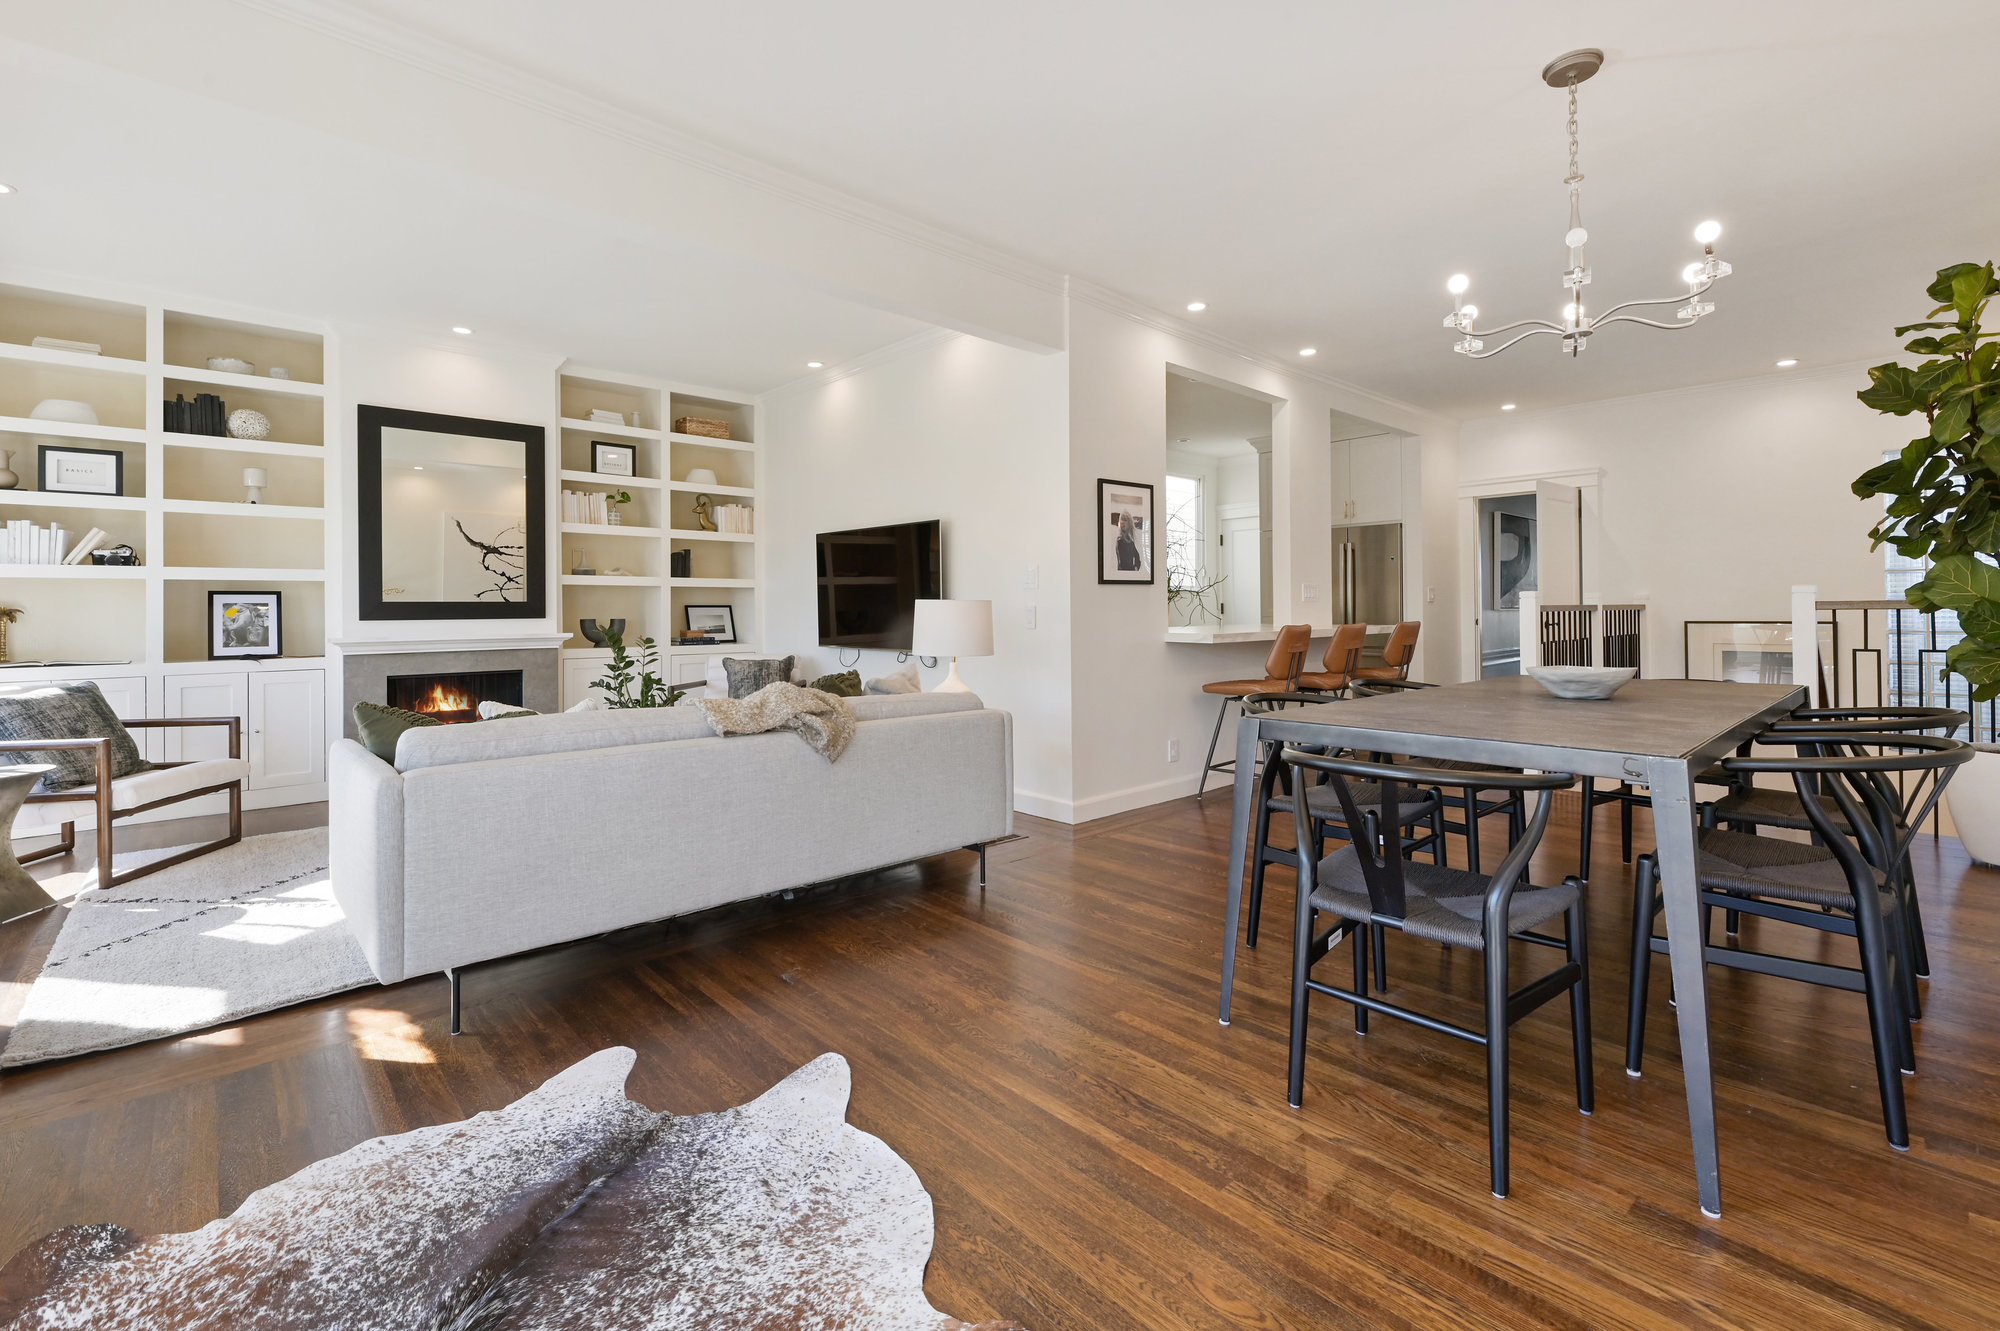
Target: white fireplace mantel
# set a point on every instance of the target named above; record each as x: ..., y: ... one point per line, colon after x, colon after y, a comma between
x: 526, y: 642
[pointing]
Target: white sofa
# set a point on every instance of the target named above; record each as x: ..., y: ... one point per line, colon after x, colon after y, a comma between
x: 485, y: 840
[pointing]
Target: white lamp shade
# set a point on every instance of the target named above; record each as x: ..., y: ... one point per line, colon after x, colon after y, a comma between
x: 953, y: 628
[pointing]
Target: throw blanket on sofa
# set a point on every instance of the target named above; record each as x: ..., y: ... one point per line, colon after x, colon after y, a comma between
x: 820, y: 719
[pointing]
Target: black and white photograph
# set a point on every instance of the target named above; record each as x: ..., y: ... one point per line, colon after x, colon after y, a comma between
x: 80, y: 471
x: 609, y: 459
x: 1513, y: 559
x: 1124, y: 531
x: 244, y: 624
x: 717, y: 623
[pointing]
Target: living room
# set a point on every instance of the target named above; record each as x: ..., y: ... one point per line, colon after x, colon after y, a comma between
x: 681, y: 641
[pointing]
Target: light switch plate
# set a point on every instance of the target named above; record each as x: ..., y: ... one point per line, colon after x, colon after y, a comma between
x: 1027, y: 616
x: 1031, y: 577
x: 1308, y: 591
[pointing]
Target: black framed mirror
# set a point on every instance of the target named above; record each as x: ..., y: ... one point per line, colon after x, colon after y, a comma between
x: 451, y: 519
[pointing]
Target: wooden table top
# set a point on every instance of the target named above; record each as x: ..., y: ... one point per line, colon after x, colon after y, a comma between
x: 1662, y: 718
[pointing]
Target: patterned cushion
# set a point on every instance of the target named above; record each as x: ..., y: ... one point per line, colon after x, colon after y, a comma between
x: 846, y: 684
x: 380, y: 727
x: 748, y: 676
x: 66, y: 711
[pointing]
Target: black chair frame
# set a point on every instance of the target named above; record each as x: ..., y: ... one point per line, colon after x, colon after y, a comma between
x: 1467, y: 803
x: 1383, y: 874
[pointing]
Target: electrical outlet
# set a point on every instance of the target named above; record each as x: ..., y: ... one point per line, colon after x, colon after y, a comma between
x: 1430, y: 596
x: 1031, y: 577
x: 1027, y: 616
x: 1308, y: 591
x: 1173, y: 750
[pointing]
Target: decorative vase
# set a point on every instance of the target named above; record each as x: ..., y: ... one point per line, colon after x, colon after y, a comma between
x: 591, y: 633
x: 8, y: 480
x: 247, y: 424
x: 64, y: 409
x: 611, y: 518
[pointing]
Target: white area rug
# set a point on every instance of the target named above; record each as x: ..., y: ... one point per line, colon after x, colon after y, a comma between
x: 244, y: 930
x: 572, y: 1209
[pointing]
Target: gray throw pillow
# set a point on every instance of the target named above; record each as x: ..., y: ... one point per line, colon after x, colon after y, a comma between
x: 66, y: 711
x: 380, y: 727
x: 746, y: 677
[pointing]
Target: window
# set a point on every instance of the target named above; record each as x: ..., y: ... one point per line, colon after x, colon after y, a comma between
x: 1185, y: 544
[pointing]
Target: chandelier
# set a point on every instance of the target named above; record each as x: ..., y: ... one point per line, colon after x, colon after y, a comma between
x: 1567, y: 71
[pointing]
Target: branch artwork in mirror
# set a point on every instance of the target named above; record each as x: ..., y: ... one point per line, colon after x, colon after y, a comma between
x: 451, y: 517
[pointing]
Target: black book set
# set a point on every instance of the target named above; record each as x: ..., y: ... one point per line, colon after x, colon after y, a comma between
x: 207, y: 414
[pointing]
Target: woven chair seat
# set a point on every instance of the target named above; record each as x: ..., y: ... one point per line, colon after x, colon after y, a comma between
x: 1774, y: 808
x: 1414, y: 805
x: 1761, y: 866
x: 1442, y: 904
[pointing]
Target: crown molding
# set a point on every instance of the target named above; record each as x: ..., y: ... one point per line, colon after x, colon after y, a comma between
x: 430, y: 55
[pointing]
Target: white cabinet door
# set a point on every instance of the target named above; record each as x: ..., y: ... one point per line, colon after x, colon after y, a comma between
x: 225, y: 694
x: 1375, y: 482
x: 577, y: 674
x: 690, y: 671
x: 286, y: 744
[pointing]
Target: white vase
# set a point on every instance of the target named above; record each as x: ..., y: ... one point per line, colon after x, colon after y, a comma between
x: 1973, y: 797
x: 8, y: 480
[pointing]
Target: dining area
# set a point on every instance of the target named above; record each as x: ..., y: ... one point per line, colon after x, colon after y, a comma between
x: 1391, y: 808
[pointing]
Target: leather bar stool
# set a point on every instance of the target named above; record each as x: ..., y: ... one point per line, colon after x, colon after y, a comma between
x: 1337, y: 667
x: 1397, y: 653
x: 1281, y: 673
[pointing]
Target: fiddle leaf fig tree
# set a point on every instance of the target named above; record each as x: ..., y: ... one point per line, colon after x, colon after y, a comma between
x: 1944, y: 487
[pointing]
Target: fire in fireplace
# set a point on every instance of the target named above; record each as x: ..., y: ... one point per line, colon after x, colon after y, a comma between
x: 455, y: 697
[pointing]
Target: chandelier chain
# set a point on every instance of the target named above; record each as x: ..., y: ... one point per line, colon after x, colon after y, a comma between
x: 1575, y: 175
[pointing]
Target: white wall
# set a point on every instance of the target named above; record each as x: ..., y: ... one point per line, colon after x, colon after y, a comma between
x: 950, y: 427
x: 1715, y: 500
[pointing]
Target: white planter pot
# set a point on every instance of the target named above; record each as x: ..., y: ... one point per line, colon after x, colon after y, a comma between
x: 1974, y: 800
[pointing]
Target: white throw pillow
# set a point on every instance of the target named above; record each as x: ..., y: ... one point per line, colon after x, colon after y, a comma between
x: 590, y: 704
x: 903, y: 681
x: 488, y: 710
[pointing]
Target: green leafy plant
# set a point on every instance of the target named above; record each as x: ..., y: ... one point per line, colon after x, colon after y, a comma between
x: 634, y: 681
x: 1944, y: 488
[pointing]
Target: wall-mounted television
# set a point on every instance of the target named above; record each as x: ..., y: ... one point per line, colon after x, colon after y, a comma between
x: 871, y: 579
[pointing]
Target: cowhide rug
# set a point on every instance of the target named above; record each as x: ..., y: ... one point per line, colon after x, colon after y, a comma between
x: 573, y: 1207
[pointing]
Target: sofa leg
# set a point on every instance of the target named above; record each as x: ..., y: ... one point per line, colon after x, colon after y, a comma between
x: 451, y: 978
x: 980, y: 847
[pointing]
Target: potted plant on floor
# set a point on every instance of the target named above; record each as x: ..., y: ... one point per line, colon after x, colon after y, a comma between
x: 1944, y: 505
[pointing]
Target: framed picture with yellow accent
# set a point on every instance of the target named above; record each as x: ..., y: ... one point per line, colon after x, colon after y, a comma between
x: 244, y: 624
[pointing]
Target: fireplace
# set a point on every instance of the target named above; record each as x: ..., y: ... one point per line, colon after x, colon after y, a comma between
x: 455, y: 696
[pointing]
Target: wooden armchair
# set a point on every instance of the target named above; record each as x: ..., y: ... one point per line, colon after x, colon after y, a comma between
x: 159, y: 785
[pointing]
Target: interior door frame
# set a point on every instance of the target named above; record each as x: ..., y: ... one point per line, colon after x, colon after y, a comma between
x: 1588, y: 483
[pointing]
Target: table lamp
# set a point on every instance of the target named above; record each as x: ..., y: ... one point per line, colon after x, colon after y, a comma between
x: 954, y: 629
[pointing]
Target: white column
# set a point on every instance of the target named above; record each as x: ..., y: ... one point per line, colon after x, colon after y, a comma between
x: 1805, y: 641
x: 1531, y: 630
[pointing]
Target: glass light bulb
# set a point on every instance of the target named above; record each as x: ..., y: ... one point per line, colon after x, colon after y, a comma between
x: 1470, y: 311
x: 1459, y: 282
x: 1691, y: 274
x: 1575, y: 237
x: 1707, y: 232
x: 1569, y: 312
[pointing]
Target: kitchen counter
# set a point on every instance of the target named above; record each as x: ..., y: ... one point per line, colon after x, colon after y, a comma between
x: 1213, y: 635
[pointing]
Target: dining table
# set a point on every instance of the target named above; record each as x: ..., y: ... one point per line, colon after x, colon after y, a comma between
x: 1656, y: 733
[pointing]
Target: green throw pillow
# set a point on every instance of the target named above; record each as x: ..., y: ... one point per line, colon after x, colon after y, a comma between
x: 847, y: 684
x: 380, y: 727
x: 66, y: 711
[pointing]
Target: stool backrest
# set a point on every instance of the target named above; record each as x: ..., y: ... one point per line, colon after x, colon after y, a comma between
x: 1402, y: 645
x: 1343, y: 652
x: 1288, y: 653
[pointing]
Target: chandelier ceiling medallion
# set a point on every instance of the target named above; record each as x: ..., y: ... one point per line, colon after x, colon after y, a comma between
x: 1578, y: 324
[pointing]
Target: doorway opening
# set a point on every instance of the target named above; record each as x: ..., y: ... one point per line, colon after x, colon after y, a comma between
x: 1217, y: 516
x: 1507, y: 567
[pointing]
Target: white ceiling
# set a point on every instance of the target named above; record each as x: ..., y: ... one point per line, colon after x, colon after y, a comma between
x: 1213, y: 421
x: 1313, y: 170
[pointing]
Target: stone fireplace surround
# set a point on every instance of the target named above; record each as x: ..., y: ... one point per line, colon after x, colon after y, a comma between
x: 365, y: 671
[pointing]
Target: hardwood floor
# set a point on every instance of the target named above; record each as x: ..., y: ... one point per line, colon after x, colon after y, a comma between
x: 1103, y: 1155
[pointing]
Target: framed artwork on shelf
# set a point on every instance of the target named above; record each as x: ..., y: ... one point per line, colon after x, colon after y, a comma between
x: 1513, y: 559
x: 80, y: 471
x: 245, y: 625
x: 1744, y: 651
x: 609, y: 459
x: 715, y: 623
x: 1125, y: 532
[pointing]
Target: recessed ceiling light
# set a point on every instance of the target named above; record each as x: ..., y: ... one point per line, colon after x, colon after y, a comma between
x: 416, y: 469
x: 1197, y: 306
x: 6, y: 189
x: 1309, y: 351
x: 1507, y: 406
x: 815, y: 365
x: 461, y: 330
x: 1786, y: 364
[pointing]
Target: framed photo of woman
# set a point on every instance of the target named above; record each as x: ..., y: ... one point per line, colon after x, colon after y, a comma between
x: 1125, y: 537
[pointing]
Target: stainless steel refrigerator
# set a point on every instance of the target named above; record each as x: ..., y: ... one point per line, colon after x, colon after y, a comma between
x: 1368, y: 573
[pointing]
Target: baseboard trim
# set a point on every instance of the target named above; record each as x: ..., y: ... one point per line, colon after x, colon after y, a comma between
x: 1115, y: 802
x: 1043, y: 806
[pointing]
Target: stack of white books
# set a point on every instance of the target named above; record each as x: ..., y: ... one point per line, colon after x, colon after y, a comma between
x: 64, y: 344
x: 23, y: 542
x: 589, y: 506
x: 733, y: 519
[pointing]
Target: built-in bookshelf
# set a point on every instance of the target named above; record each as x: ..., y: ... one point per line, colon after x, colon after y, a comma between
x: 632, y: 565
x: 141, y: 629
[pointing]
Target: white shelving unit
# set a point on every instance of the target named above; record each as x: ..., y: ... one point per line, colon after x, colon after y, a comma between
x: 725, y: 568
x: 182, y: 511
